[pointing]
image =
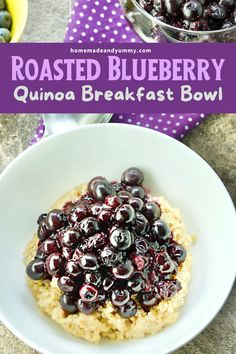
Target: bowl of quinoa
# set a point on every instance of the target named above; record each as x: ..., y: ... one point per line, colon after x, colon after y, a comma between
x: 181, y: 188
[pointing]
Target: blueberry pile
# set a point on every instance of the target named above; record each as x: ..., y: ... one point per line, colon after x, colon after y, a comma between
x: 5, y: 23
x: 194, y: 15
x: 109, y: 245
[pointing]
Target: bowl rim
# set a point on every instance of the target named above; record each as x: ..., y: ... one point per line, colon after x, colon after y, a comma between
x: 47, y: 140
x: 167, y: 26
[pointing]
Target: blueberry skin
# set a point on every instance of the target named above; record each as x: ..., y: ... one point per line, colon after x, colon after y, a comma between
x: 2, y: 5
x: 5, y: 19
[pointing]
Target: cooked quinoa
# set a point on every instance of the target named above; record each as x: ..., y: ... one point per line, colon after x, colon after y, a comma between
x: 106, y: 323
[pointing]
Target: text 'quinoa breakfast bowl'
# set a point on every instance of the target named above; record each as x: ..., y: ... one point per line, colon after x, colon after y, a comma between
x: 110, y: 260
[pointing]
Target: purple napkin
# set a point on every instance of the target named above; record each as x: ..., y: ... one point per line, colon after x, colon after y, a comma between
x: 99, y: 21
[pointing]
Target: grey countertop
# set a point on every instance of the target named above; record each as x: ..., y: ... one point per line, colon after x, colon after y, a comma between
x: 214, y: 140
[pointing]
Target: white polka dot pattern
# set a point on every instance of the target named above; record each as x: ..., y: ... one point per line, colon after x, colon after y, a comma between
x: 175, y: 125
x: 99, y: 21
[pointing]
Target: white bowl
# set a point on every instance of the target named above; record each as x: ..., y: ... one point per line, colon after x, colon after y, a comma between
x: 44, y: 172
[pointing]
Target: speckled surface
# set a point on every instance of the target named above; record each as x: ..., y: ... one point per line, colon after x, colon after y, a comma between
x: 47, y: 20
x: 215, y: 141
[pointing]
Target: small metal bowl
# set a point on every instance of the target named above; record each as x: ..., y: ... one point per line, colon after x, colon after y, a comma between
x: 152, y: 30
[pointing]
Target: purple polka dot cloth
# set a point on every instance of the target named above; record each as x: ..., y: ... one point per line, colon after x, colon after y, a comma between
x: 175, y: 125
x: 99, y: 21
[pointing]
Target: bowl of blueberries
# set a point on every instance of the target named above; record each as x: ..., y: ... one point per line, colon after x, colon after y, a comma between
x: 182, y: 20
x: 13, y: 17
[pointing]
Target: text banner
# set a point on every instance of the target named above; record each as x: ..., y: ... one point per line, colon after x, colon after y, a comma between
x: 126, y: 78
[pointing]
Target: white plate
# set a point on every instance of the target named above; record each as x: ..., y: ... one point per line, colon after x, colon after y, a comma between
x: 44, y: 172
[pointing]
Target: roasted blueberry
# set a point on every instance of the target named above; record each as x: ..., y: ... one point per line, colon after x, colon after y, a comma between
x: 151, y: 211
x: 136, y: 283
x: 124, y: 195
x: 54, y: 264
x: 93, y: 182
x: 102, y: 189
x: 141, y: 245
x: 95, y: 242
x: 96, y: 208
x: 228, y: 4
x: 108, y: 283
x: 109, y: 256
x: 118, y: 186
x: 136, y: 203
x: 93, y: 278
x: 89, y: 226
x: 68, y: 303
x: 164, y: 264
x: 218, y: 12
x: 56, y: 219
x: 67, y: 252
x: 153, y: 278
x: 125, y: 214
x: 123, y: 270
x: 173, y: 7
x: 168, y: 288
x: 78, y: 213
x: 36, y: 270
x: 87, y: 199
x: 140, y: 261
x: 160, y: 231
x: 147, y: 4
x: 128, y: 310
x: 88, y: 293
x: 70, y: 237
x: 41, y: 217
x: 87, y: 307
x: 113, y: 201
x: 66, y: 284
x: 140, y: 224
x: 73, y: 268
x: 147, y: 299
x: 178, y: 252
x: 119, y: 297
x: 105, y: 218
x: 192, y: 10
x: 89, y: 262
x: 78, y: 253
x: 137, y: 192
x: 40, y: 254
x: 121, y: 239
x: 50, y: 246
x: 227, y: 24
x: 43, y: 232
x: 132, y: 177
x: 102, y: 296
x: 68, y: 206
